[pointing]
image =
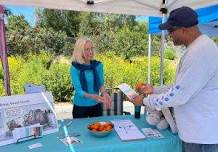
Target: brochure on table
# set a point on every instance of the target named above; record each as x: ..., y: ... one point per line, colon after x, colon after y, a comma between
x: 127, y: 130
x: 152, y: 133
x: 26, y: 116
x: 127, y: 90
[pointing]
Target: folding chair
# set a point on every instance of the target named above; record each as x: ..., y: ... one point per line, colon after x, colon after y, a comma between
x: 117, y: 98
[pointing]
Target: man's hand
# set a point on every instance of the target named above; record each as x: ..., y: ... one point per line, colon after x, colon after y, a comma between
x: 146, y: 89
x: 138, y: 100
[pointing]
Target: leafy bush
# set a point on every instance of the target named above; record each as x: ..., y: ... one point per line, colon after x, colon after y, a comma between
x: 27, y: 69
x: 170, y: 54
x: 57, y: 79
x: 117, y: 70
x: 34, y: 68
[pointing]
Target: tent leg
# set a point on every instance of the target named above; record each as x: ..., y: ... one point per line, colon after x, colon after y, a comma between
x: 149, y: 58
x: 162, y: 54
x: 3, y: 53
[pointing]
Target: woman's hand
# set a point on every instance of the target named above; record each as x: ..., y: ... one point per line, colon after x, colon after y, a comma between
x: 98, y: 98
x: 107, y: 100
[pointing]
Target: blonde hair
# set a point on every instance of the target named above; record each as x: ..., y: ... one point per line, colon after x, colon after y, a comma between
x: 79, y: 49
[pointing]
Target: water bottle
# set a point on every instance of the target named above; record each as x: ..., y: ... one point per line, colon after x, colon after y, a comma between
x: 137, y: 112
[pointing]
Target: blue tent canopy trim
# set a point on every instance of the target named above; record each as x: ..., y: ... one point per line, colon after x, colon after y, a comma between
x: 207, y: 16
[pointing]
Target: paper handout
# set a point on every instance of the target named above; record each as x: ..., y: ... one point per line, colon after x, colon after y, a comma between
x: 127, y: 130
x: 127, y: 90
x: 152, y: 133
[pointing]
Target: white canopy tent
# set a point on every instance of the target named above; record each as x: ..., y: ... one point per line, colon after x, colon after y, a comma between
x: 131, y: 7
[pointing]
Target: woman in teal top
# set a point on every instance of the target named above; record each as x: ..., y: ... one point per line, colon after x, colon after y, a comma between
x: 88, y: 81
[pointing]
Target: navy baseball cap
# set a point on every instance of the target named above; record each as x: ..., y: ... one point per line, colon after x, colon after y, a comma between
x: 180, y: 17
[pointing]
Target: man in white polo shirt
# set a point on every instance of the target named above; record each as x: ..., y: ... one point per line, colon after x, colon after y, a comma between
x: 194, y: 96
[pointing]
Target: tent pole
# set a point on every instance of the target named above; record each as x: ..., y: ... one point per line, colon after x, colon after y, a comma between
x: 149, y: 58
x: 162, y: 54
x: 164, y: 11
x: 3, y: 53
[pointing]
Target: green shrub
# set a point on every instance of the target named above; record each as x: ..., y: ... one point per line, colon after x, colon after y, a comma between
x: 117, y: 70
x: 170, y: 54
x: 34, y: 69
x: 16, y: 64
x: 57, y: 79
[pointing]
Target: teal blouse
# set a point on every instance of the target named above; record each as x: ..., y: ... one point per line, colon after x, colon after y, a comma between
x: 79, y: 98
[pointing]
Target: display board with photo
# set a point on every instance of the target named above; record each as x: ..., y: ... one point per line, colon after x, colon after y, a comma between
x: 24, y: 111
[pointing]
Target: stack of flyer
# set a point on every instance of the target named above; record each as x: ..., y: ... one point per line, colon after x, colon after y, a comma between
x: 152, y: 133
x: 127, y: 130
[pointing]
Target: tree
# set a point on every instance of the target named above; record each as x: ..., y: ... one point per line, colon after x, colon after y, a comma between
x: 22, y: 38
x: 49, y: 40
x: 131, y: 42
x: 112, y: 32
x: 59, y: 20
x: 96, y: 23
x: 90, y: 24
x: 114, y: 22
x: 7, y: 12
x: 18, y: 34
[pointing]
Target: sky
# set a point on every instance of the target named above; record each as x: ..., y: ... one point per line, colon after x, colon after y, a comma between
x: 29, y: 13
